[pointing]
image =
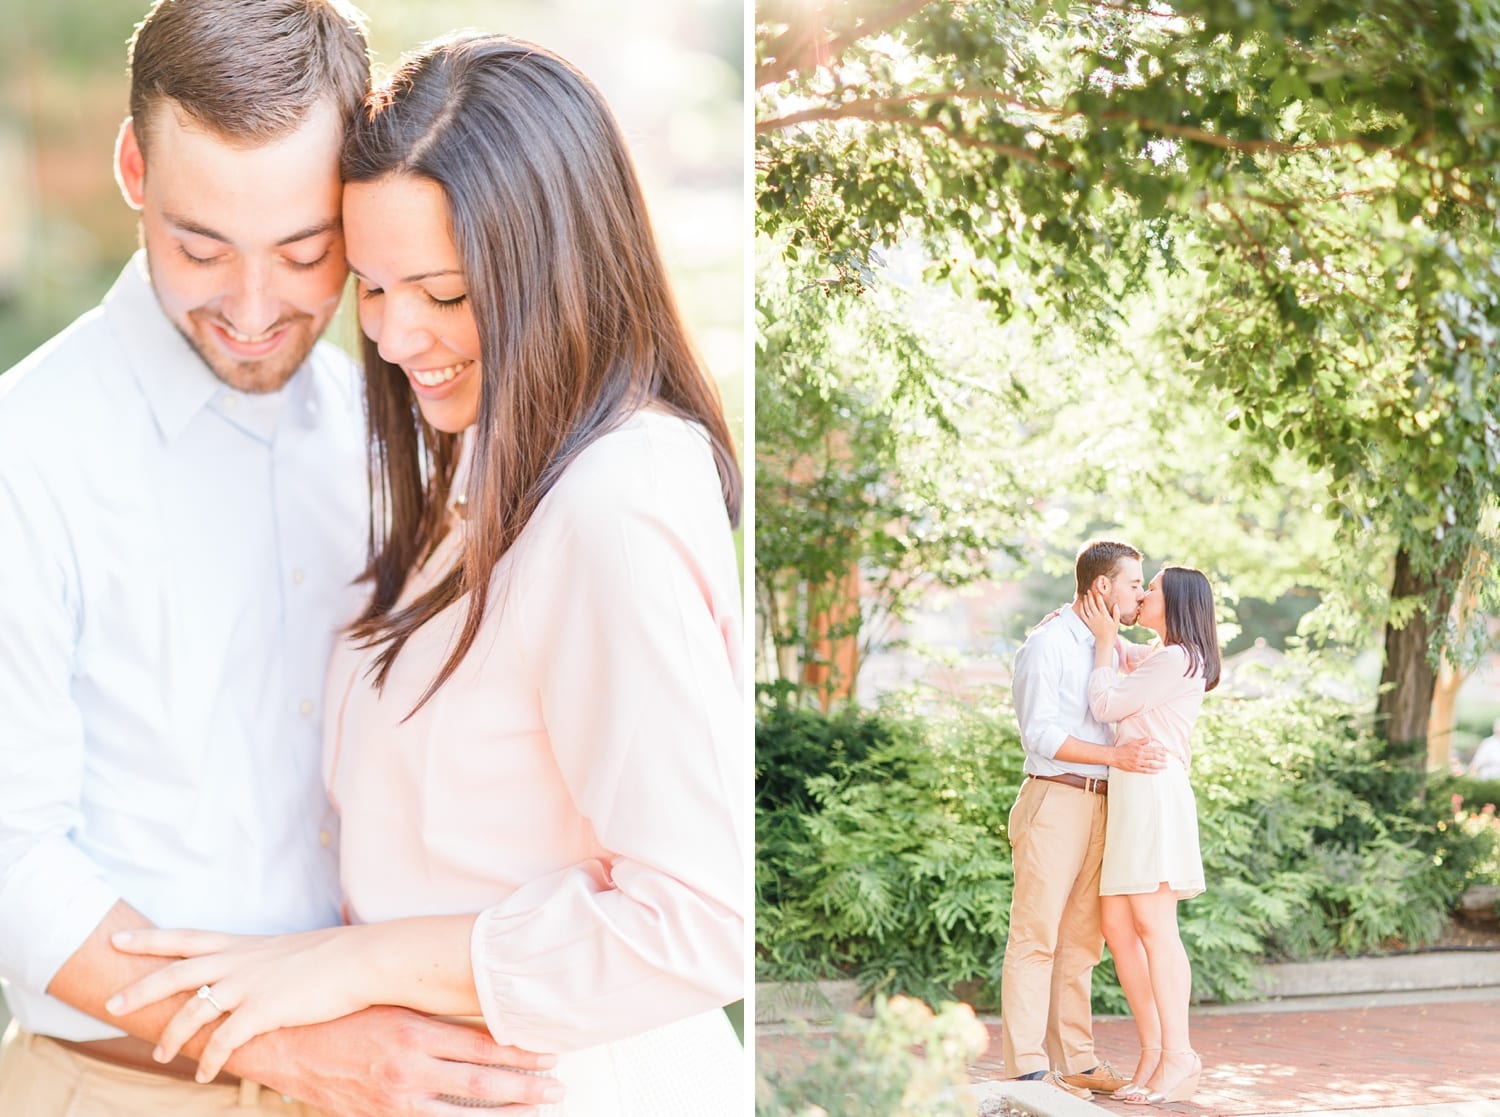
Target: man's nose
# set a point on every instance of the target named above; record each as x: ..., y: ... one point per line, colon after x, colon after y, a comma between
x: 252, y: 307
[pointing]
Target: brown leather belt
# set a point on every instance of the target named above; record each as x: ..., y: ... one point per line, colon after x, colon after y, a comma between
x: 1087, y: 783
x: 127, y: 1051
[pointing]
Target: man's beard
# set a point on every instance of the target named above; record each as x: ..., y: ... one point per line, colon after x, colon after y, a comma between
x: 255, y: 376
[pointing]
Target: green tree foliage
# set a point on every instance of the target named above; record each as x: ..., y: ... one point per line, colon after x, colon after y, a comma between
x: 1310, y: 188
x: 881, y: 445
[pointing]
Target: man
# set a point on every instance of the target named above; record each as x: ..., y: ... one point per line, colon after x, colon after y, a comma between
x: 183, y: 503
x: 1057, y: 835
x: 1486, y: 762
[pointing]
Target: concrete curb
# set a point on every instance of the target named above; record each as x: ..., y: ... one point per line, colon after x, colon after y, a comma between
x: 1449, y: 969
x: 1035, y: 1098
x: 820, y: 1002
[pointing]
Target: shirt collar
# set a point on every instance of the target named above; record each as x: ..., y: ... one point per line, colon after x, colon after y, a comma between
x: 1073, y: 625
x: 172, y: 376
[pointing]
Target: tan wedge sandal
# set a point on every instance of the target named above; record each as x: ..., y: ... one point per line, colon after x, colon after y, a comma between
x: 1184, y: 1088
x: 1136, y: 1090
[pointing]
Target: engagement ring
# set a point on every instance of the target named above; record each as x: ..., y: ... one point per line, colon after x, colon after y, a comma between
x: 207, y: 994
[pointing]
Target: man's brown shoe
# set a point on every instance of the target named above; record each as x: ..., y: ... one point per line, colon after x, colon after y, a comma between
x: 1103, y: 1079
x: 1052, y: 1078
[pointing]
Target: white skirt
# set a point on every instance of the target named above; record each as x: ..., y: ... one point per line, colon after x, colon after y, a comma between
x: 691, y: 1068
x: 1151, y: 834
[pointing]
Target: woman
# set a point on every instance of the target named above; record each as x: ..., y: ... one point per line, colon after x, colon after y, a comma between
x: 534, y: 729
x: 1151, y: 856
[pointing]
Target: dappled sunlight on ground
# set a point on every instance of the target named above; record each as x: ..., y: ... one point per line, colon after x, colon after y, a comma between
x: 1285, y: 1062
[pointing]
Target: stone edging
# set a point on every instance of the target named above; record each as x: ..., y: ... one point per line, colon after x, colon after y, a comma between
x: 820, y: 1002
x: 1036, y: 1099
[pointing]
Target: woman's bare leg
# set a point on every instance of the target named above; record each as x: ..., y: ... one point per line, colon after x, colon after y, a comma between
x: 1133, y: 970
x: 1155, y: 918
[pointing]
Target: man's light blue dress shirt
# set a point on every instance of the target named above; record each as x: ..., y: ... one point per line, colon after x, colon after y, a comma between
x: 1050, y: 688
x: 175, y: 559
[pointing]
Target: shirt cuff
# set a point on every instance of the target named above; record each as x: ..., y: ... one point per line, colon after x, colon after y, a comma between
x: 1047, y: 740
x: 51, y: 900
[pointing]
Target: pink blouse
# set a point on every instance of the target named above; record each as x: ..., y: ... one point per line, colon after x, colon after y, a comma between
x: 1156, y: 699
x: 579, y: 779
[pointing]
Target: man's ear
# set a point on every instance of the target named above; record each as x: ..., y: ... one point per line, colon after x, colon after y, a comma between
x: 130, y: 166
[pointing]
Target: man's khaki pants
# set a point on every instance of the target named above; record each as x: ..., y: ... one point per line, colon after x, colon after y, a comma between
x: 41, y: 1078
x: 1057, y: 843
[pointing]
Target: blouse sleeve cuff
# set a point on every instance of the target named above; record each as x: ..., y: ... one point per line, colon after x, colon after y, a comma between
x: 529, y: 953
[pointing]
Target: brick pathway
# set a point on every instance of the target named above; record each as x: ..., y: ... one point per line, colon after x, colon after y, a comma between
x: 1285, y: 1062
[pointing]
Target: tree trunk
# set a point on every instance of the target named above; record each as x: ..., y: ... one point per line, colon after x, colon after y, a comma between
x: 1444, y: 716
x: 1450, y: 679
x: 1407, y: 678
x: 833, y: 639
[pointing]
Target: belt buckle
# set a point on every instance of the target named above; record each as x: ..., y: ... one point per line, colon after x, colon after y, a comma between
x: 1092, y: 784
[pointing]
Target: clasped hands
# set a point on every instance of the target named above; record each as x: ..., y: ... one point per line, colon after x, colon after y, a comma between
x: 259, y: 983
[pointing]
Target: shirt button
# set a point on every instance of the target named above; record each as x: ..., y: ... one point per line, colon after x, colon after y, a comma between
x: 306, y: 707
x: 297, y: 575
x: 325, y: 838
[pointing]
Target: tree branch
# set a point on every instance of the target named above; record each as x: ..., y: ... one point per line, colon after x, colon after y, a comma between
x: 799, y: 48
x: 878, y: 108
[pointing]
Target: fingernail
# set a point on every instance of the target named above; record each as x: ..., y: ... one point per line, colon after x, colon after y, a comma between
x: 114, y: 1004
x: 120, y: 938
x: 552, y: 1095
x: 159, y: 1055
x: 203, y: 1078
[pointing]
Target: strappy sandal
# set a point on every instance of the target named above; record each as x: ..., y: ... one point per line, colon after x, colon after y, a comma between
x: 1133, y: 1091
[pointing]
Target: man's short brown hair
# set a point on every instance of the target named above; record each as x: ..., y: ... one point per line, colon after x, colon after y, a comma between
x: 1100, y: 556
x: 249, y: 72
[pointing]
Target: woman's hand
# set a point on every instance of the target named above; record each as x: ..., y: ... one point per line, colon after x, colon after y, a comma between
x: 1103, y: 620
x: 262, y: 983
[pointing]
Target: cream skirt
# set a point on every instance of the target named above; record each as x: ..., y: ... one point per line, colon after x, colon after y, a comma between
x: 1151, y: 834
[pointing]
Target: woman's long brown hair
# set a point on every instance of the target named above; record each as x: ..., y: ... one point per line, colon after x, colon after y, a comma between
x: 1188, y: 605
x: 577, y: 324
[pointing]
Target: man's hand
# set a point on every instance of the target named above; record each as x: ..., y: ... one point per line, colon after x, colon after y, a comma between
x: 1139, y: 754
x: 391, y: 1062
x: 1050, y: 616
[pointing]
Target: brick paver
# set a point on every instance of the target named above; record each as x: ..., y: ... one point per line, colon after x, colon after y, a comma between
x: 1284, y: 1062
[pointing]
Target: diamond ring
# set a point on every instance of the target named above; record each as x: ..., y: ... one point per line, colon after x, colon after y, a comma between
x: 207, y: 994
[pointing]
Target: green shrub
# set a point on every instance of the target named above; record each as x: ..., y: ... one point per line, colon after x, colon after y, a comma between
x: 883, y: 852
x: 869, y: 1066
x: 1469, y: 790
x: 898, y: 872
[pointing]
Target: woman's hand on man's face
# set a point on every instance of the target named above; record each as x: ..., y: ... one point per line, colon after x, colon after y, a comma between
x: 1102, y: 618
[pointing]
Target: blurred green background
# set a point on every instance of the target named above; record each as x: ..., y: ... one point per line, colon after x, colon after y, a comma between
x: 672, y: 70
